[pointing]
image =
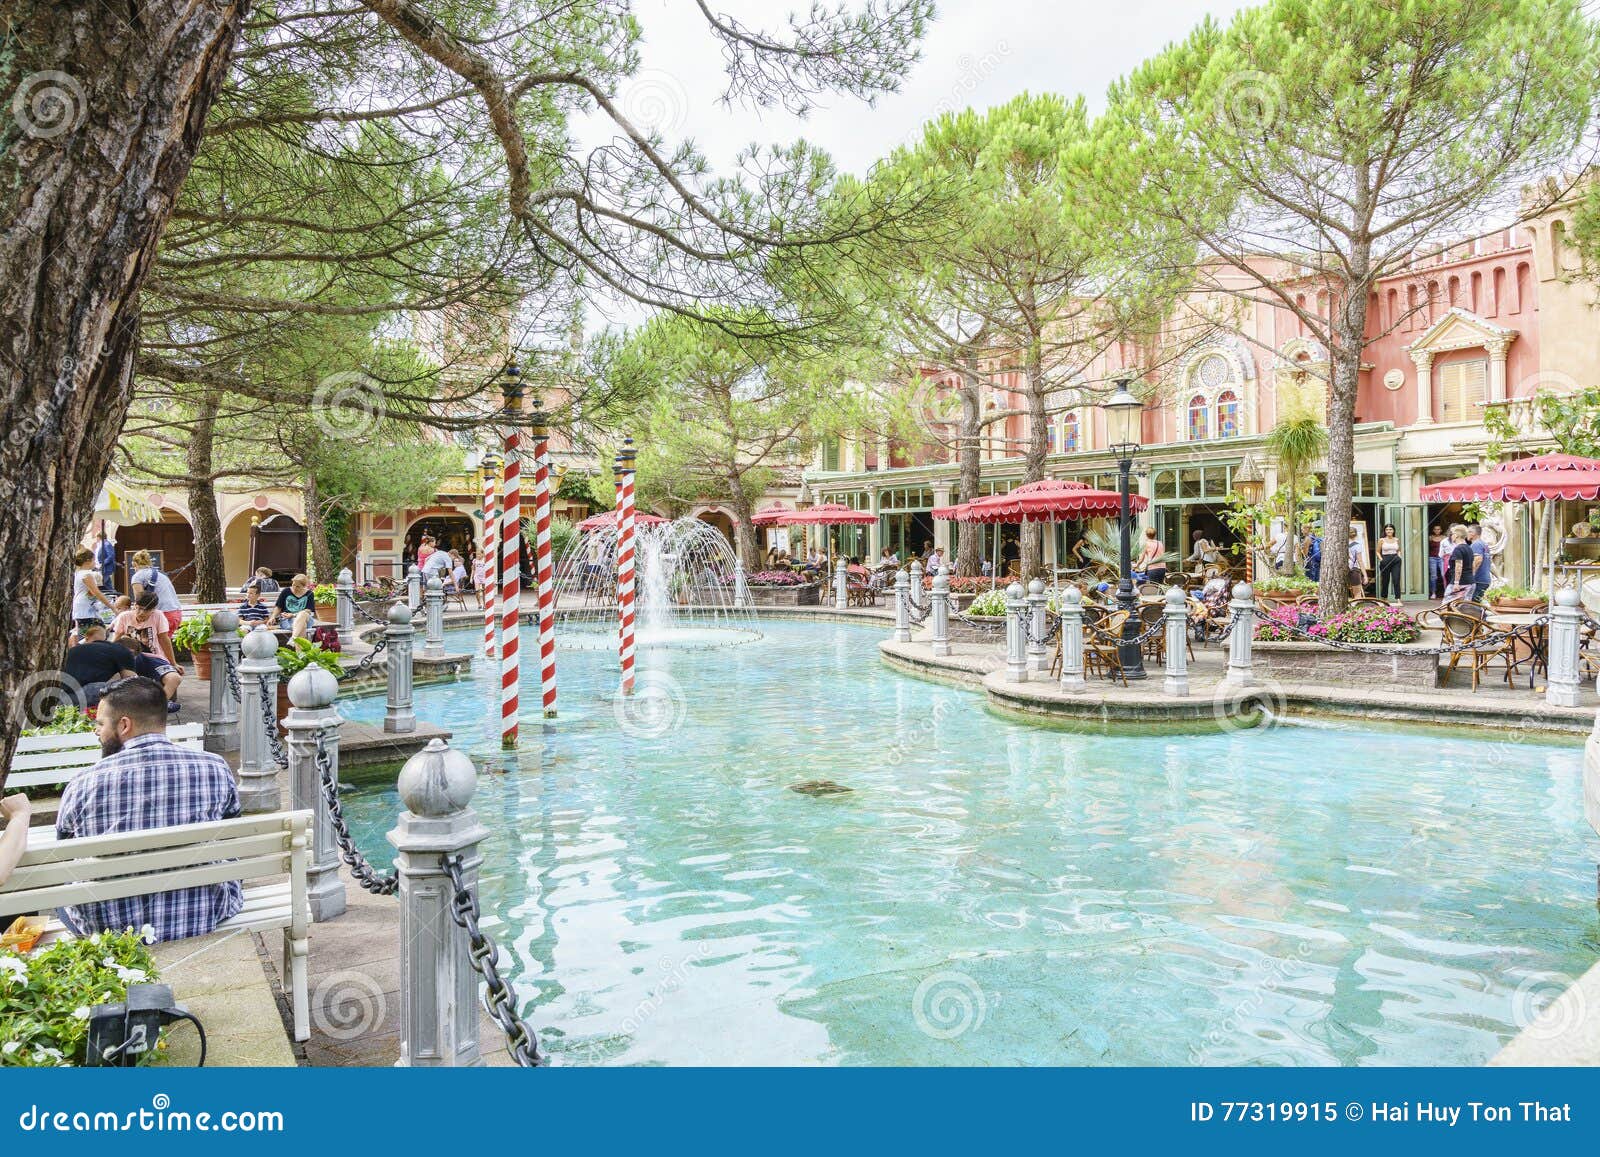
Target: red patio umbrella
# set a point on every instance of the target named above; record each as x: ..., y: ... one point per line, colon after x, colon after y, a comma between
x: 609, y: 518
x: 1048, y: 500
x: 1544, y: 478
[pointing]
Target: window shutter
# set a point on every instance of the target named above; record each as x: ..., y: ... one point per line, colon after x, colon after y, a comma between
x: 1462, y: 389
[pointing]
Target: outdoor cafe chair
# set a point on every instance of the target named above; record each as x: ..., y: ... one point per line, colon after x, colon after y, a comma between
x: 1156, y: 645
x: 1473, y: 638
x: 1102, y: 647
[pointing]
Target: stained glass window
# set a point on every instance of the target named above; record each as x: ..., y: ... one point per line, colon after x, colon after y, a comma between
x: 1069, y: 433
x: 1227, y: 414
x: 1199, y: 427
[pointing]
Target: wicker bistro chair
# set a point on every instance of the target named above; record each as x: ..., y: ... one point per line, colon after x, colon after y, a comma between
x: 1154, y: 647
x: 1102, y: 647
x: 1369, y: 601
x: 1473, y: 636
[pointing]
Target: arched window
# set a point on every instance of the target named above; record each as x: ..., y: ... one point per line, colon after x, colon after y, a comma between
x: 1069, y: 433
x: 1227, y: 414
x: 1198, y: 425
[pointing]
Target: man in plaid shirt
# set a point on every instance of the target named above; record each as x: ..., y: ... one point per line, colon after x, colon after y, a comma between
x: 147, y: 781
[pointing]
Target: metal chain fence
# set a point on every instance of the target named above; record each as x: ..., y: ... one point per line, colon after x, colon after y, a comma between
x: 499, y: 999
x: 378, y: 883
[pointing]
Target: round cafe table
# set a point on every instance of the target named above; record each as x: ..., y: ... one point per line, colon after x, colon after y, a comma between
x: 1528, y: 638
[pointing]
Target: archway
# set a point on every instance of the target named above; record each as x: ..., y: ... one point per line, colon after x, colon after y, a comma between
x: 170, y: 542
x: 719, y: 519
x: 455, y: 532
x: 239, y: 544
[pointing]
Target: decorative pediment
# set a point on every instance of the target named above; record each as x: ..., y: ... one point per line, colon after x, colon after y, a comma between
x: 1458, y: 330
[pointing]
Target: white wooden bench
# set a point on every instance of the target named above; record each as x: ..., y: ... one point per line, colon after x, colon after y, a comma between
x: 42, y: 760
x: 61, y: 873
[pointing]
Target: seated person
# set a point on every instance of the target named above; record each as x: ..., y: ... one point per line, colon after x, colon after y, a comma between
x: 856, y: 572
x: 94, y: 664
x: 16, y: 810
x: 253, y: 610
x: 295, y: 608
x: 264, y: 581
x: 153, y: 667
x: 148, y: 622
x: 146, y: 781
x: 457, y: 582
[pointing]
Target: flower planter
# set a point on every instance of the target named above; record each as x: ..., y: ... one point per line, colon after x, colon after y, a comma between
x: 1517, y: 606
x: 1390, y: 666
x: 803, y: 595
x: 202, y: 662
x: 327, y: 613
x: 1282, y: 596
x: 283, y: 697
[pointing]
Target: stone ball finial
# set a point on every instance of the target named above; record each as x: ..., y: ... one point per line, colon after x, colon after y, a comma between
x: 312, y: 688
x: 224, y: 622
x: 435, y: 584
x: 1014, y: 592
x: 400, y: 615
x: 1176, y: 599
x: 1072, y: 597
x: 941, y: 581
x: 415, y: 570
x: 1036, y: 587
x: 1566, y: 597
x: 437, y: 781
x: 260, y: 643
x: 902, y: 578
x: 1243, y: 593
x: 346, y: 578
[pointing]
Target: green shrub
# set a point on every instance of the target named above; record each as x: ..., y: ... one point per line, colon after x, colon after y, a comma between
x: 65, y: 720
x: 193, y: 634
x: 45, y: 998
x: 989, y: 604
x: 324, y: 595
x: 1282, y: 584
x: 302, y: 653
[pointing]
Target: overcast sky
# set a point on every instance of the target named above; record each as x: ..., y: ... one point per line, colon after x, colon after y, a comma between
x: 978, y: 54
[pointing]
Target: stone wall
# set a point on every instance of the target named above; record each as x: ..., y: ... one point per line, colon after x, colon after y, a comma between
x: 1397, y: 667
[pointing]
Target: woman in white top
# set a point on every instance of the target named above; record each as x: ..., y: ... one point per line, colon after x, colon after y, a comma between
x: 87, y: 597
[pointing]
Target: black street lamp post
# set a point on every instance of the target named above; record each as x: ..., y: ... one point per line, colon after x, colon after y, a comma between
x: 1124, y: 416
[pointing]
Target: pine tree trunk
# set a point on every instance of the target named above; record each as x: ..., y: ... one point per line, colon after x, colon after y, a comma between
x: 1349, y: 323
x: 969, y: 535
x: 110, y: 108
x: 210, y: 584
x: 322, y: 562
x: 1033, y: 461
x: 744, y: 534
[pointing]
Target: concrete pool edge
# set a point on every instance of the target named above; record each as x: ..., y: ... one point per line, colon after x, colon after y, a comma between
x: 1210, y: 706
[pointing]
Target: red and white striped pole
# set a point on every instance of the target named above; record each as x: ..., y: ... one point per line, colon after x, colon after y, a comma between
x: 510, y: 562
x: 542, y: 565
x: 491, y: 555
x: 625, y: 561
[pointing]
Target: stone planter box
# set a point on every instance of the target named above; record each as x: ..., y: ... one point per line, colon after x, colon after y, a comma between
x: 1400, y: 666
x: 805, y: 595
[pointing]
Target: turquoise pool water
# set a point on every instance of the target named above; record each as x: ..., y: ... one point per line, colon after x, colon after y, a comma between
x: 991, y: 893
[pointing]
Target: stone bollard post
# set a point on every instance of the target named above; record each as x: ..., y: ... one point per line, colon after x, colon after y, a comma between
x: 741, y: 585
x: 1038, y: 608
x: 841, y: 587
x: 1242, y: 616
x: 312, y: 721
x: 414, y: 588
x: 1176, y: 681
x: 345, y: 607
x: 433, y: 640
x: 1561, y: 689
x: 438, y: 987
x: 222, y: 715
x: 940, y: 596
x: 1072, y: 640
x: 258, y: 698
x: 1016, y: 635
x: 902, y: 607
x: 916, y: 583
x: 397, y: 714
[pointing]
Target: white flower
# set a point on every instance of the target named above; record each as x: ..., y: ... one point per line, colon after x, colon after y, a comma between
x: 95, y: 939
x: 81, y: 1012
x: 109, y: 963
x: 147, y: 933
x: 10, y: 1047
x: 14, y: 965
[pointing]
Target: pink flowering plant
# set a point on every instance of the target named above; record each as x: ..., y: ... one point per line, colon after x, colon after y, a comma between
x: 1357, y: 625
x: 776, y: 578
